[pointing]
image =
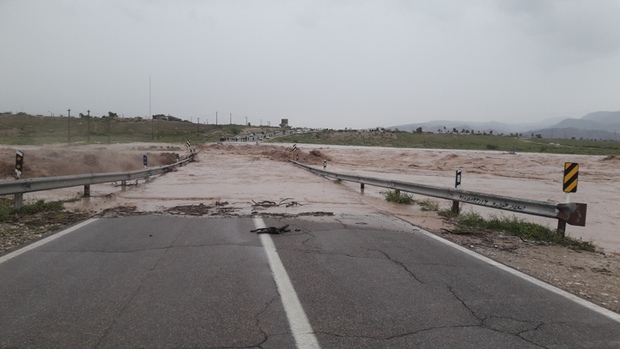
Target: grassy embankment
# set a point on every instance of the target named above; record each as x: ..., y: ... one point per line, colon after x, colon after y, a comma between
x: 456, y: 141
x: 24, y: 129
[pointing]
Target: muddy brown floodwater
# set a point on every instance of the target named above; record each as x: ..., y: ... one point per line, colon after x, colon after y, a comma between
x: 245, y: 179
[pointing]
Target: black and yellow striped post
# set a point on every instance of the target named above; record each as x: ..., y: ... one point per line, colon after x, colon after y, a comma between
x: 571, y: 177
x: 19, y: 164
x: 294, y: 154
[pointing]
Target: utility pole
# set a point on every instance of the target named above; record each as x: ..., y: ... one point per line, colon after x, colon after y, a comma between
x: 216, y: 118
x: 231, y: 118
x: 88, y: 123
x: 150, y: 114
x: 69, y: 125
x: 198, y: 127
x: 246, y: 121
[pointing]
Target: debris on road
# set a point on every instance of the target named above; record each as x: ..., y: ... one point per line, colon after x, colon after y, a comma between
x: 264, y: 203
x: 218, y: 208
x: 271, y: 230
x: 267, y: 203
x: 119, y: 211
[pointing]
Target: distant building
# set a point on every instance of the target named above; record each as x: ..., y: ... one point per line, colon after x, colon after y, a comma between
x: 284, y: 123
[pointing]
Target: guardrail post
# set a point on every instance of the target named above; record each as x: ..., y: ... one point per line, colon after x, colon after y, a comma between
x: 19, y: 201
x: 562, y: 228
x: 86, y: 190
x: 362, y: 187
x: 455, y: 207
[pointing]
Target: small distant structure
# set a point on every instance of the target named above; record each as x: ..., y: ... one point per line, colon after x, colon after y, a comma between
x: 284, y: 123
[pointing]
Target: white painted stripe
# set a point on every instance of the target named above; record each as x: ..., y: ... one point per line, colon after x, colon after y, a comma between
x: 298, y: 321
x: 44, y: 241
x: 594, y: 307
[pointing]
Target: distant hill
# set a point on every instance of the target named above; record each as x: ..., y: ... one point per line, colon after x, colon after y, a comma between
x: 496, y: 127
x: 601, y: 125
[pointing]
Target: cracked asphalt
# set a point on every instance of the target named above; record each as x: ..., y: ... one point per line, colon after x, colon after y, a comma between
x: 364, y: 281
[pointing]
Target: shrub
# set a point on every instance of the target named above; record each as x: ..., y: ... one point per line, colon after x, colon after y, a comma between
x: 519, y: 227
x: 398, y: 197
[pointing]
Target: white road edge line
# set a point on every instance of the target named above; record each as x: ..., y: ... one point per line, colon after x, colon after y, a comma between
x: 44, y: 241
x: 298, y: 321
x: 594, y: 307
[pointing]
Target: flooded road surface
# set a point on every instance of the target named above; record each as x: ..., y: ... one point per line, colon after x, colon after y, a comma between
x: 243, y: 175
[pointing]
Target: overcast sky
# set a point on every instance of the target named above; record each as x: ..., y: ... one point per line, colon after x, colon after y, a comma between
x: 322, y: 63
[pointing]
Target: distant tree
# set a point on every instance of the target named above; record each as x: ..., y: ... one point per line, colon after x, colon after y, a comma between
x: 418, y: 130
x: 454, y: 130
x: 491, y: 132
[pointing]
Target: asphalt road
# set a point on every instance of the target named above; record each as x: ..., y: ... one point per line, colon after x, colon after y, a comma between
x: 353, y: 282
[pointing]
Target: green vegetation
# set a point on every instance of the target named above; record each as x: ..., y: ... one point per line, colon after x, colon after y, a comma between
x: 40, y: 206
x: 428, y: 205
x: 7, y: 212
x: 401, y: 139
x: 27, y: 129
x: 397, y: 197
x: 518, y: 227
x: 32, y: 221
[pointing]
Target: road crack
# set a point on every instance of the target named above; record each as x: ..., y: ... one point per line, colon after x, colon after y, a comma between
x: 401, y: 264
x: 138, y: 289
x: 484, y: 321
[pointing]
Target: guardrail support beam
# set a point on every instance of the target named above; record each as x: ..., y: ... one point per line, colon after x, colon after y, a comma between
x: 455, y: 207
x: 19, y: 201
x: 362, y: 187
x: 86, y: 190
x: 562, y: 228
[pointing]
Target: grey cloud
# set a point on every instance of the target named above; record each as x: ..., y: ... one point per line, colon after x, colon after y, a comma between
x: 578, y: 26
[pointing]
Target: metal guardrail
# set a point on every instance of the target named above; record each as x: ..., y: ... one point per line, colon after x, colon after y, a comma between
x: 571, y: 213
x: 21, y: 186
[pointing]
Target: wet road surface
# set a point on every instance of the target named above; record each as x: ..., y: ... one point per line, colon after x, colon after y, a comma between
x: 361, y: 281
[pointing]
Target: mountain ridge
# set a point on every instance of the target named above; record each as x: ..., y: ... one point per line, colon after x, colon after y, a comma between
x: 599, y: 125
